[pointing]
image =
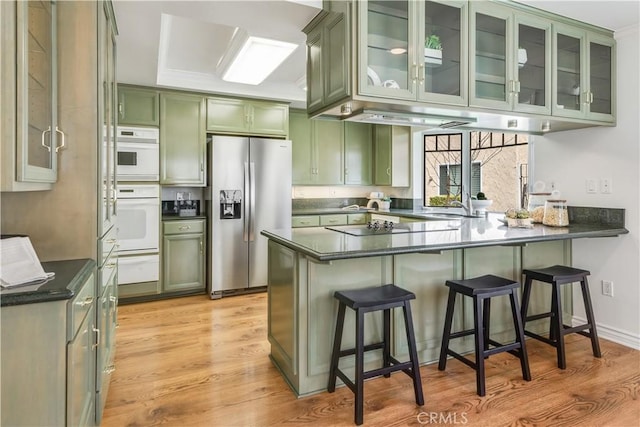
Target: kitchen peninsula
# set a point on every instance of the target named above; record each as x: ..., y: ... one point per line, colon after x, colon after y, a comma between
x: 306, y: 266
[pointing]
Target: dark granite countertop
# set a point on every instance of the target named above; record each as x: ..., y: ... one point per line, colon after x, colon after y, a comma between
x: 70, y: 276
x: 326, y: 245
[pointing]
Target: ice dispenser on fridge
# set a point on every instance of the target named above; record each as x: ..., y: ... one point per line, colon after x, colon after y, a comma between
x: 230, y: 201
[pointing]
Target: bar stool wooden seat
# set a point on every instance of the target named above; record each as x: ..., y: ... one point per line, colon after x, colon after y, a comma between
x: 381, y: 298
x: 559, y: 275
x: 481, y: 290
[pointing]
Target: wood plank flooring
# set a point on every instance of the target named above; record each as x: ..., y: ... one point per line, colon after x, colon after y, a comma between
x: 196, y: 362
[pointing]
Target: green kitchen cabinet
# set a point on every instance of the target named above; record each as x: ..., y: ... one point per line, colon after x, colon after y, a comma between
x: 183, y: 259
x: 321, y: 148
x: 29, y: 87
x: 329, y: 55
x: 183, y: 143
x: 302, y: 148
x: 584, y: 74
x: 510, y: 59
x: 298, y: 221
x: 393, y: 56
x: 243, y: 117
x: 392, y: 154
x: 358, y: 153
x: 138, y: 106
x: 52, y: 357
x: 318, y: 151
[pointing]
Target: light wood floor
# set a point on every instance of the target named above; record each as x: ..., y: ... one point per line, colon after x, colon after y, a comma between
x: 196, y: 362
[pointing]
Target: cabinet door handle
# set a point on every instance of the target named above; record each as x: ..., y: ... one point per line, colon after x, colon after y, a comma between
x: 517, y: 86
x: 184, y: 227
x: 61, y: 146
x: 590, y: 97
x: 109, y: 369
x: 389, y: 171
x: 121, y: 109
x: 87, y: 301
x: 48, y: 147
x: 110, y: 265
x: 97, y: 331
x: 421, y: 76
x: 111, y: 241
x: 415, y: 72
x: 201, y: 247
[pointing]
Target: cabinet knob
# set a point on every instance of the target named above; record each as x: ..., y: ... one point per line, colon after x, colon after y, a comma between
x: 87, y: 301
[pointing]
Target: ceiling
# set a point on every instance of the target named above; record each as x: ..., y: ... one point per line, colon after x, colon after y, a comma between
x: 177, y: 44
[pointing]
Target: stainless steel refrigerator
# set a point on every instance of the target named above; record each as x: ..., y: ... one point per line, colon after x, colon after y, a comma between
x: 249, y: 191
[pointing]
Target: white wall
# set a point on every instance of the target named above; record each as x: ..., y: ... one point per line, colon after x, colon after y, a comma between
x: 570, y: 158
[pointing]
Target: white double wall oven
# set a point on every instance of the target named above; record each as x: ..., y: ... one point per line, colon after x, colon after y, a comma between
x: 138, y: 210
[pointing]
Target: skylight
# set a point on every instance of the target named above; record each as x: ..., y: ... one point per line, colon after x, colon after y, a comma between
x: 257, y: 59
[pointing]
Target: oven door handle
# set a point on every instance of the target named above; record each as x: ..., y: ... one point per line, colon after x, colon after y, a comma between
x: 127, y: 146
x: 138, y: 202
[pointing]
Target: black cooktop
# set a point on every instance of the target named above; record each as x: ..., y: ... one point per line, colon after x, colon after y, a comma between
x: 373, y: 229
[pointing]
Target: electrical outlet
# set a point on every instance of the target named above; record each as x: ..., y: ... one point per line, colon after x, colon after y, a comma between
x: 606, y: 186
x: 607, y: 288
x: 592, y: 186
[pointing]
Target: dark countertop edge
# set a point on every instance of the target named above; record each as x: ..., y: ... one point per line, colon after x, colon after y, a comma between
x: 333, y: 256
x: 613, y: 217
x: 54, y: 290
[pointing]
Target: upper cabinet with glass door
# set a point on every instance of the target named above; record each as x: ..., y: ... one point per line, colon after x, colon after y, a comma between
x: 37, y: 135
x: 583, y: 84
x: 413, y: 50
x: 510, y: 65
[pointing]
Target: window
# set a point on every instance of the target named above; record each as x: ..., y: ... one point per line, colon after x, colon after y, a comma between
x: 498, y: 167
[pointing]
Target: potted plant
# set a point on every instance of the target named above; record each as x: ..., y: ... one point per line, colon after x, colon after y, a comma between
x: 480, y: 203
x: 433, y: 50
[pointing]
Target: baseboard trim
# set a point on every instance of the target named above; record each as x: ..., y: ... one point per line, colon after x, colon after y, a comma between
x: 625, y: 338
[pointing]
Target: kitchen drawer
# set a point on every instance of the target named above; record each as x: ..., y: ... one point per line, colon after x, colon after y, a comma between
x: 340, y: 219
x: 106, y: 245
x: 107, y: 271
x: 357, y: 218
x: 187, y: 226
x: 80, y: 305
x: 305, y: 221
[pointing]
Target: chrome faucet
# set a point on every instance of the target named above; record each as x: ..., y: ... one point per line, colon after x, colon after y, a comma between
x: 466, y: 204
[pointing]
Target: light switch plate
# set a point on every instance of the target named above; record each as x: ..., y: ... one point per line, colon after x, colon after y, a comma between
x: 592, y: 186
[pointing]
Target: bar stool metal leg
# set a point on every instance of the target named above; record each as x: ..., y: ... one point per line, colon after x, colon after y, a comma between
x: 586, y: 297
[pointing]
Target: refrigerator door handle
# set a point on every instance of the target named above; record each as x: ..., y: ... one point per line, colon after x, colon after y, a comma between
x: 245, y: 221
x: 252, y: 206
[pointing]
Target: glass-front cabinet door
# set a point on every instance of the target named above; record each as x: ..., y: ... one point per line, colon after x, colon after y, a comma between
x: 569, y: 83
x: 442, y: 69
x: 532, y: 65
x: 600, y: 57
x: 37, y: 133
x: 387, y: 48
x: 583, y: 79
x: 491, y: 41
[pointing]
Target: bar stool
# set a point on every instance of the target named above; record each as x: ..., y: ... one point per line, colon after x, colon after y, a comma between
x: 482, y: 289
x: 381, y: 298
x: 556, y: 276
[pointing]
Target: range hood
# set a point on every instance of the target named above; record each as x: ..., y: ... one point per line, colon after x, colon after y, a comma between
x: 430, y: 121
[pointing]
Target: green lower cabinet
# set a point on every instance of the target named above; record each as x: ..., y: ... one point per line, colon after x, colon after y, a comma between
x: 183, y: 141
x: 183, y: 259
x: 353, y: 219
x: 302, y: 308
x: 138, y: 107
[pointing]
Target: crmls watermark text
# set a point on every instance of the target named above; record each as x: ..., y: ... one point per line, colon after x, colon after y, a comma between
x: 442, y: 418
